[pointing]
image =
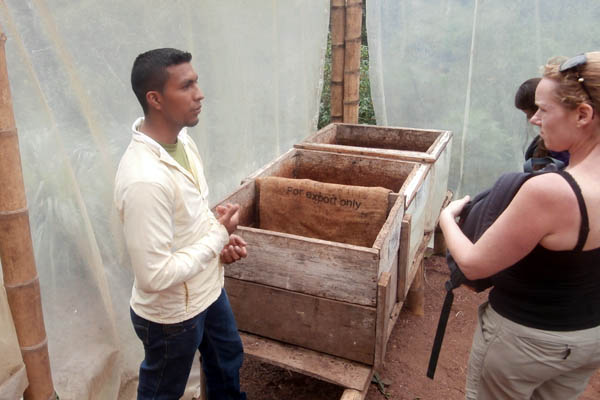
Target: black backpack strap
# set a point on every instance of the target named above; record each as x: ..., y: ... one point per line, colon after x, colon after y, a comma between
x: 439, y: 334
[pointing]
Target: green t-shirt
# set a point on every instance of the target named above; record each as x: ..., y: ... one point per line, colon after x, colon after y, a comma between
x: 177, y: 151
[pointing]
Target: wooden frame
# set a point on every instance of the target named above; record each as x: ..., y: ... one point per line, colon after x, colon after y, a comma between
x: 428, y: 146
x: 326, y: 296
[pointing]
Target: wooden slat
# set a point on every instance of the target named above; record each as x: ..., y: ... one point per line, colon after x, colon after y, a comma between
x: 418, y: 258
x: 388, y: 142
x: 351, y: 170
x: 390, y: 300
x: 245, y: 196
x: 371, y: 152
x: 382, y: 320
x: 394, y: 317
x: 388, y: 239
x: 351, y: 394
x: 327, y: 269
x: 403, y: 258
x: 415, y: 300
x: 439, y: 185
x: 321, y: 366
x: 337, y: 328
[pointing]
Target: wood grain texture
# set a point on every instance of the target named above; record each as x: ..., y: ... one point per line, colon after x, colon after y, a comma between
x: 311, y: 266
x: 388, y: 240
x: 247, y: 197
x: 412, y: 144
x: 352, y: 394
x: 336, y: 328
x: 338, y: 371
x: 439, y: 185
x: 382, y: 320
x: 403, y: 258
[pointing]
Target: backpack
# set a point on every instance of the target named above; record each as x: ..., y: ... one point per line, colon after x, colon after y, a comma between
x: 476, y: 217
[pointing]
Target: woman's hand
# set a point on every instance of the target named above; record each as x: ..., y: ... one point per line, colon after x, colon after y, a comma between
x: 455, y: 208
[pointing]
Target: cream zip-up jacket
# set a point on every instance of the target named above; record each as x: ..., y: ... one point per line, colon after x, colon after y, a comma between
x: 173, y: 239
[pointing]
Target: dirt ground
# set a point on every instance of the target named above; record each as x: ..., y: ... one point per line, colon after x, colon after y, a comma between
x: 406, y: 358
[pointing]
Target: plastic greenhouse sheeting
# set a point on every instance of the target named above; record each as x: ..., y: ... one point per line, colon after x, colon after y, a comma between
x: 260, y: 68
x: 456, y: 64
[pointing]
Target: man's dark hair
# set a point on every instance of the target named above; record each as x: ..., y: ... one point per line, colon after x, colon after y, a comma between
x: 149, y: 71
x: 525, y: 96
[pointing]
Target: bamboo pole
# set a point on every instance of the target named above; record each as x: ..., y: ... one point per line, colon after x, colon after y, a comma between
x: 338, y: 27
x: 352, y: 60
x: 16, y: 252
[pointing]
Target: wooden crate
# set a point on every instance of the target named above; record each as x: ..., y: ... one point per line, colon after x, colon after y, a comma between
x: 420, y: 145
x: 330, y: 297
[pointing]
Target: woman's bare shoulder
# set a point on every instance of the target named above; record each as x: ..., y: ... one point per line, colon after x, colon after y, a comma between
x: 551, y: 191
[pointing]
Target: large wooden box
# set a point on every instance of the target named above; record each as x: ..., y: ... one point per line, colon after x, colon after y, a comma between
x: 326, y: 296
x: 427, y: 146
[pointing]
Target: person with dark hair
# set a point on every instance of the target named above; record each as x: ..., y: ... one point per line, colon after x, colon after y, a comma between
x: 537, y: 156
x: 176, y: 244
x: 538, y: 336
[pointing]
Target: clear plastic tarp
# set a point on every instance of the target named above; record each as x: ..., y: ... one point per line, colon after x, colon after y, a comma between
x: 260, y: 66
x: 456, y: 64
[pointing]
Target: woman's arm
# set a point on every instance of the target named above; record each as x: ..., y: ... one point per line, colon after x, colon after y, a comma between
x: 543, y: 206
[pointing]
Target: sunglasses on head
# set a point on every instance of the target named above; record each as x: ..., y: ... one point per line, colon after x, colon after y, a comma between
x: 574, y: 63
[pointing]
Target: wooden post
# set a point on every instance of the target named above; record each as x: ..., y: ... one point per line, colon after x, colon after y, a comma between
x: 352, y: 60
x: 439, y: 242
x: 16, y: 252
x: 338, y: 27
x: 416, y: 295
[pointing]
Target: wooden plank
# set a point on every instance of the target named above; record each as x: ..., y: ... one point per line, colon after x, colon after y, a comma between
x: 246, y: 197
x: 439, y: 185
x: 338, y: 371
x: 385, y: 137
x: 421, y: 145
x: 404, y: 258
x: 388, y: 239
x: 415, y: 300
x: 342, y: 169
x: 394, y: 318
x: 418, y: 259
x: 351, y: 394
x: 333, y: 270
x: 323, y: 135
x: 281, y: 166
x: 351, y: 170
x: 391, y: 294
x: 371, y: 152
x: 382, y: 320
x: 329, y: 326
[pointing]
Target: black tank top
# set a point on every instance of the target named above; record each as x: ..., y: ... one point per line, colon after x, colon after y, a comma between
x: 553, y: 290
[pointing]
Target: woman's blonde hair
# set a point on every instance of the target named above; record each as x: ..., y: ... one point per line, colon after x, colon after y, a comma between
x: 570, y: 92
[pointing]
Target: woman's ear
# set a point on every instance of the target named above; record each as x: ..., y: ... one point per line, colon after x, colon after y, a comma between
x: 585, y: 114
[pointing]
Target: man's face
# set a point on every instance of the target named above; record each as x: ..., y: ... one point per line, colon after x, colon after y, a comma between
x: 181, y: 96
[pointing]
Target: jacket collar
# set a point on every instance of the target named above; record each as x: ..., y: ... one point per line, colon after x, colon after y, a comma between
x: 155, y: 147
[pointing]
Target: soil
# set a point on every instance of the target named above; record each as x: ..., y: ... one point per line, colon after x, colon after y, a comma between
x: 406, y: 358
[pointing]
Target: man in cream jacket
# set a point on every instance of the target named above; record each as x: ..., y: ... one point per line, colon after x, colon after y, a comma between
x: 176, y: 244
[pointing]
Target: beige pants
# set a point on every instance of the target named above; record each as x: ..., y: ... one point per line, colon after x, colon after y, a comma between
x: 510, y: 361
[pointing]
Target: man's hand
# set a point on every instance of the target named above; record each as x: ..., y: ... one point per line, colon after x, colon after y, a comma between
x: 229, y: 216
x: 234, y: 250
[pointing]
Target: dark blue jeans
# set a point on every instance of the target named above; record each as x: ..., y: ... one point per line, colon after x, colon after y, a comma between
x: 170, y: 349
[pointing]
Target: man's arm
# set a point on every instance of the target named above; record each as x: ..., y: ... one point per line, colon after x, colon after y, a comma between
x: 147, y: 224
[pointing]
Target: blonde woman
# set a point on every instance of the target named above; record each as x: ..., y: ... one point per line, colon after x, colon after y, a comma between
x: 538, y: 336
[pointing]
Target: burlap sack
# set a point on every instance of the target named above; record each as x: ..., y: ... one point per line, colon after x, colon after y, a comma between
x: 339, y: 213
